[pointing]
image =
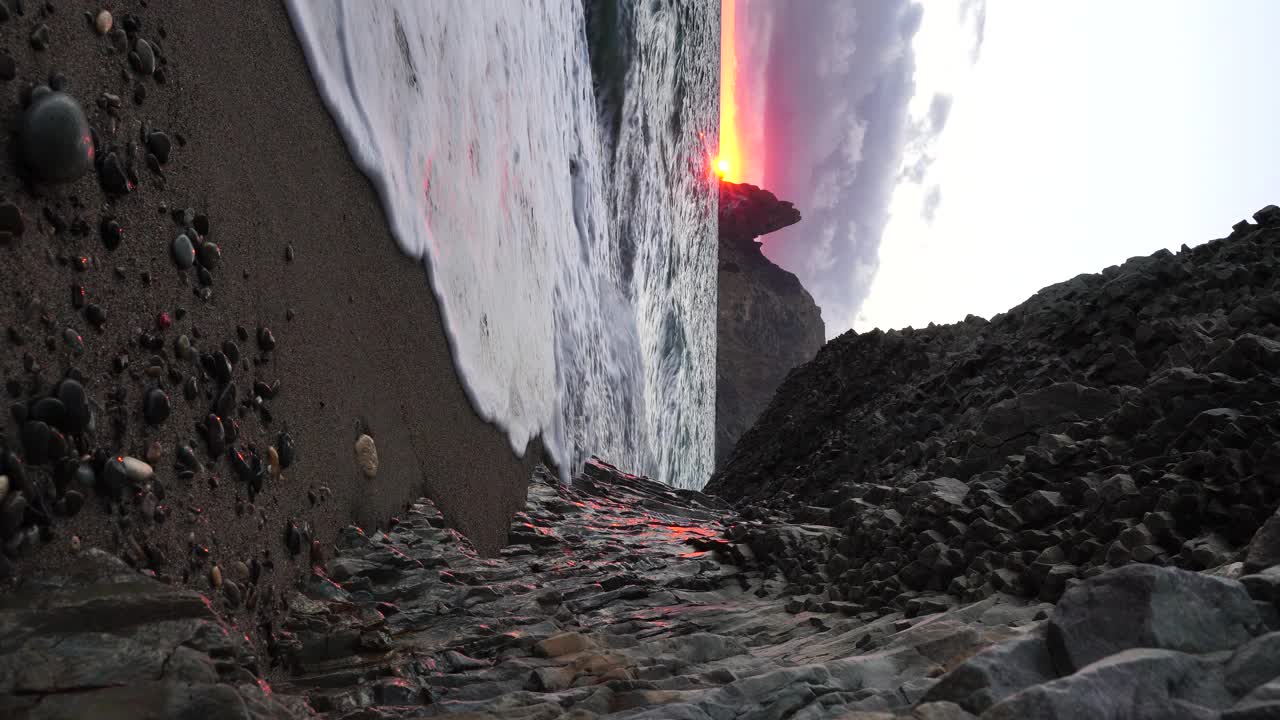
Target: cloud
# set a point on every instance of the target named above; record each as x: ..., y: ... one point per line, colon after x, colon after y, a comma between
x: 939, y: 111
x: 929, y: 206
x: 838, y: 77
x: 973, y: 13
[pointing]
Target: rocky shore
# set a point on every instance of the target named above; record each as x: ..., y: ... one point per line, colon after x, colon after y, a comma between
x: 205, y: 376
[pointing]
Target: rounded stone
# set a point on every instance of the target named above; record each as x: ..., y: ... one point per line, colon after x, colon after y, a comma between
x: 85, y: 477
x: 95, y: 315
x: 184, y: 255
x: 50, y: 410
x: 158, y: 144
x: 210, y: 254
x: 35, y: 441
x: 266, y: 340
x: 155, y: 406
x: 112, y: 234
x: 78, y: 413
x: 103, y: 22
x: 367, y: 456
x: 56, y: 143
x: 73, y: 340
x: 284, y: 447
x: 143, y: 57
x: 114, y: 476
x: 136, y: 470
x: 72, y: 502
x: 4, y: 486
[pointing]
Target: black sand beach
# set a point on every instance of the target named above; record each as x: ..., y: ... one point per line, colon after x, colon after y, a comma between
x: 359, y: 340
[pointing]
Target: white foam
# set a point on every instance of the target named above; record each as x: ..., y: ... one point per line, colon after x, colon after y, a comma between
x: 466, y: 116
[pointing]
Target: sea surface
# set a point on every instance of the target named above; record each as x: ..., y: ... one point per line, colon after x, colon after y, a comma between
x: 551, y: 170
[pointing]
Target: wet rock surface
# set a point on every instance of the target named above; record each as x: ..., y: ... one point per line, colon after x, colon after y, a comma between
x: 621, y: 597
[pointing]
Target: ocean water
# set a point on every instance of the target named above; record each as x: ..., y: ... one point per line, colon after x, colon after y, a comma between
x: 563, y: 209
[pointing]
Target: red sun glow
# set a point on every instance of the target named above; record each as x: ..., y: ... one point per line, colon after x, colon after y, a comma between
x: 728, y: 160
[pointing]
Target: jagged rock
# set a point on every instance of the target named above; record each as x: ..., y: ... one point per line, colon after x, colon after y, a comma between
x: 1135, y: 683
x: 996, y: 673
x: 1146, y: 606
x: 1264, y: 548
x: 766, y: 322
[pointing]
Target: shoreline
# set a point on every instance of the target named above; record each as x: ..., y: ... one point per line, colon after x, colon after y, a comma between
x: 360, y: 345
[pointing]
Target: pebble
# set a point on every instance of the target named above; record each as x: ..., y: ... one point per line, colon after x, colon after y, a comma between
x: 56, y: 143
x: 184, y: 255
x: 143, y: 58
x: 190, y: 388
x: 136, y: 470
x: 154, y: 452
x: 232, y: 351
x: 288, y: 252
x: 201, y: 224
x: 49, y: 410
x: 155, y: 406
x: 40, y: 37
x: 293, y: 538
x: 12, y: 511
x: 284, y: 447
x: 239, y: 571
x: 103, y: 22
x: 85, y: 477
x: 266, y: 340
x: 232, y: 592
x: 215, y: 576
x: 112, y: 234
x: 11, y: 220
x: 367, y: 456
x: 209, y: 255
x: 215, y: 436
x: 4, y: 486
x: 75, y: 543
x: 35, y: 440
x: 164, y: 321
x: 273, y: 462
x: 158, y: 144
x: 115, y: 476
x: 112, y: 175
x: 73, y: 340
x: 79, y: 415
x: 72, y: 501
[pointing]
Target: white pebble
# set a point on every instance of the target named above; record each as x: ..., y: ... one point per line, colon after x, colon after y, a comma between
x: 138, y: 471
x: 4, y: 486
x: 103, y: 23
x: 367, y: 456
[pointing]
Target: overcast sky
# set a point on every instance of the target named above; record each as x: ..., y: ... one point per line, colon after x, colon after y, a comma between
x: 955, y: 156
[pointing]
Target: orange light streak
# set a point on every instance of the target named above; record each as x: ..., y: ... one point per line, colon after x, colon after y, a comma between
x: 728, y: 160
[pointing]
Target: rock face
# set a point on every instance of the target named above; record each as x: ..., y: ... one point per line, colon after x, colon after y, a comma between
x: 1127, y: 416
x: 767, y: 323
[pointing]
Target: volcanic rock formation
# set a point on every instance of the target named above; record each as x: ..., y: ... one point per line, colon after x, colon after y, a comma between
x: 767, y: 322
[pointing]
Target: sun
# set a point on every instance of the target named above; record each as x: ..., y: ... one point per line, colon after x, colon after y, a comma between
x: 723, y: 166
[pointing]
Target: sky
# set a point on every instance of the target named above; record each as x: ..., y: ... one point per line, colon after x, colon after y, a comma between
x: 955, y: 156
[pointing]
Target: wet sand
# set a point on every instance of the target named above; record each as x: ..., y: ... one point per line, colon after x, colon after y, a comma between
x: 364, y: 348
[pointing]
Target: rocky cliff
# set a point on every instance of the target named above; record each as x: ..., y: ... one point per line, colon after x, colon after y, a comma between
x: 1069, y: 511
x: 767, y: 322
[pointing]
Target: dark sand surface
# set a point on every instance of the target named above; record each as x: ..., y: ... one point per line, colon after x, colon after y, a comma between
x: 264, y: 160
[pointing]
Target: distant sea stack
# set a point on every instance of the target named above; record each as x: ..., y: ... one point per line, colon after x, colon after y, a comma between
x: 767, y: 322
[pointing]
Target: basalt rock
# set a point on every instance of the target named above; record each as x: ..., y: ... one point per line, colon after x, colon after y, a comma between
x: 766, y: 322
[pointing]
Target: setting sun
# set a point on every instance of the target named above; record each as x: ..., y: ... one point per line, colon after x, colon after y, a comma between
x: 727, y: 163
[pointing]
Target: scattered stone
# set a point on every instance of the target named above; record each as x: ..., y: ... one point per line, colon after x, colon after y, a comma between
x: 215, y: 577
x: 284, y: 448
x: 112, y: 175
x: 56, y: 144
x: 184, y: 255
x: 137, y: 471
x: 209, y: 255
x: 367, y: 456
x: 266, y: 340
x: 73, y: 341
x: 155, y: 406
x: 103, y: 22
x: 112, y: 234
x: 158, y: 144
x: 40, y: 37
x: 143, y: 58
